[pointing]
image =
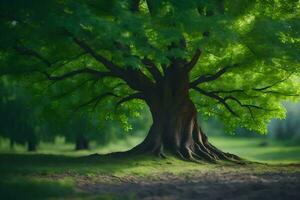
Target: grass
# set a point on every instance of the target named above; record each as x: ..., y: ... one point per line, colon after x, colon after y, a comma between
x: 55, y: 170
x: 29, y: 176
x: 62, y: 148
x: 260, y: 149
x: 255, y: 149
x: 34, y: 188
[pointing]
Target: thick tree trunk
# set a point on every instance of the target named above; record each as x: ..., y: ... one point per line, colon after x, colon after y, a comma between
x: 11, y: 144
x: 31, y: 146
x: 81, y: 143
x: 175, y: 129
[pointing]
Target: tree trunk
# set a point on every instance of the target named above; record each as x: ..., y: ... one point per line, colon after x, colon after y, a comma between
x: 175, y: 129
x: 11, y: 144
x: 81, y: 143
x: 31, y: 146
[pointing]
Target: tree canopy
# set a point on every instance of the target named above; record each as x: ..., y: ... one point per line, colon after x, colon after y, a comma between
x: 243, y: 56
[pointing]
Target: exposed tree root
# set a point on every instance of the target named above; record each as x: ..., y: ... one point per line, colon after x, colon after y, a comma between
x: 176, y: 132
x: 197, y: 152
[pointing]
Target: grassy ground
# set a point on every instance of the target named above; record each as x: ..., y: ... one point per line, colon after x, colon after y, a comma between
x: 57, y: 171
x: 260, y: 149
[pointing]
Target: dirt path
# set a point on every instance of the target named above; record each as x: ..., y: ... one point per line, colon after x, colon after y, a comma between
x: 212, y: 185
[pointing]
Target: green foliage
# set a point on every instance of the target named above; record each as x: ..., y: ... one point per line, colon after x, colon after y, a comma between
x: 288, y: 129
x: 15, y: 115
x: 27, y: 115
x: 52, y: 175
x: 22, y: 188
x: 262, y: 37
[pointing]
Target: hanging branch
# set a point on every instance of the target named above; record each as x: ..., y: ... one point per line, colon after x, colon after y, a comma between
x: 224, y: 100
x: 130, y: 97
x: 218, y: 98
x: 95, y: 100
x: 190, y: 65
x: 96, y: 73
x: 211, y: 77
x: 152, y: 68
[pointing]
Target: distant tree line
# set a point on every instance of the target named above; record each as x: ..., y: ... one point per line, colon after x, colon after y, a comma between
x: 28, y: 119
x: 290, y: 127
x: 285, y: 129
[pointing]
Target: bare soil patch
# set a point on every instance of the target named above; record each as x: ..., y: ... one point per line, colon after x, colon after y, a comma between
x: 280, y: 182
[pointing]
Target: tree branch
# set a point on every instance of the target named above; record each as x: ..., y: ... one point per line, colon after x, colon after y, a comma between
x: 130, y: 97
x: 189, y: 66
x: 229, y: 91
x: 65, y: 61
x: 134, y: 5
x: 107, y: 63
x: 150, y: 6
x: 134, y: 78
x: 29, y: 52
x: 152, y: 68
x: 272, y: 85
x: 96, y: 99
x: 279, y: 93
x: 77, y: 72
x: 241, y: 104
x: 224, y: 100
x: 72, y: 90
x: 211, y: 77
x: 266, y: 91
x: 25, y: 51
x: 218, y: 98
x: 247, y: 106
x: 233, y: 91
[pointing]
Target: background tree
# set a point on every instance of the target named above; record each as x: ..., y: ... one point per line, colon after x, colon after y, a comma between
x: 289, y: 129
x: 17, y: 119
x: 150, y: 50
x: 81, y: 128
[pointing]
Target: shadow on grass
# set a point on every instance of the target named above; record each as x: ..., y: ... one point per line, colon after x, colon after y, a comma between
x: 42, y: 176
x: 277, y: 187
x: 21, y: 188
x: 44, y: 164
x: 279, y: 155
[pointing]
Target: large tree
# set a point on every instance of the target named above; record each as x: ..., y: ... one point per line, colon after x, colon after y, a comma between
x: 236, y: 60
x: 16, y: 115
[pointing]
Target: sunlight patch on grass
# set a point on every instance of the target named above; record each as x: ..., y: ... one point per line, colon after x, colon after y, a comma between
x: 259, y: 149
x: 33, y: 188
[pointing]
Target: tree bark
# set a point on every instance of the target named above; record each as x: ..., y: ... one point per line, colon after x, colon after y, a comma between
x: 11, y: 144
x: 176, y: 131
x: 175, y: 128
x: 31, y: 146
x: 81, y: 143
